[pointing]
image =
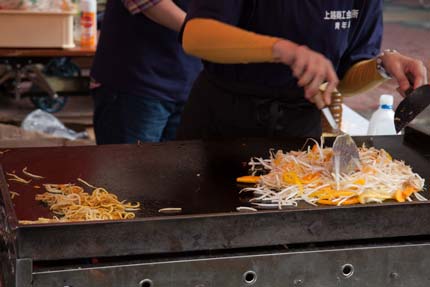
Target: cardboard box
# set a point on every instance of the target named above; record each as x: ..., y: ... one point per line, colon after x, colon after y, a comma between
x: 33, y: 29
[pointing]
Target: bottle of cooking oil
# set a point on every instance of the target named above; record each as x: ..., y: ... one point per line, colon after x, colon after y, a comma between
x: 88, y: 23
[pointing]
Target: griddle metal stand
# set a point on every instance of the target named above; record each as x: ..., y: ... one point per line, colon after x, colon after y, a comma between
x: 210, y: 244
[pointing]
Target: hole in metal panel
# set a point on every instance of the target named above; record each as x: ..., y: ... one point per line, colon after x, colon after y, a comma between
x: 250, y: 277
x: 347, y: 270
x: 146, y: 283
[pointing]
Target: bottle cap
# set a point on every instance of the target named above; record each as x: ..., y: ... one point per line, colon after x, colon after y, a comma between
x: 386, y: 101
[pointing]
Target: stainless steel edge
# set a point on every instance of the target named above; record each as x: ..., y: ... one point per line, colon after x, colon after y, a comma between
x: 401, y: 265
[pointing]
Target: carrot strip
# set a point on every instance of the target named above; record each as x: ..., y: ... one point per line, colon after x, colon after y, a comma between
x: 315, y: 148
x: 350, y: 201
x: 399, y: 196
x: 360, y: 181
x: 408, y: 191
x: 248, y: 179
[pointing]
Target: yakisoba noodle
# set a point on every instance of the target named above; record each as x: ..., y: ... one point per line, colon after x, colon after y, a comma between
x: 307, y: 176
x: 71, y: 203
x: 13, y: 194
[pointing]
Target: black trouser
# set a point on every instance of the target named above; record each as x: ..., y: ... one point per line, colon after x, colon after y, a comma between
x: 221, y: 109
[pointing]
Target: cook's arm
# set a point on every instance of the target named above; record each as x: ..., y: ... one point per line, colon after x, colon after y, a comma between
x: 361, y: 77
x: 360, y: 74
x: 364, y: 75
x: 163, y: 12
x: 357, y: 67
x: 218, y: 42
x: 214, y: 41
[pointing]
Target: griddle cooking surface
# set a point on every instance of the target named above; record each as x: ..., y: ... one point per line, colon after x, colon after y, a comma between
x: 199, y: 178
x: 158, y: 176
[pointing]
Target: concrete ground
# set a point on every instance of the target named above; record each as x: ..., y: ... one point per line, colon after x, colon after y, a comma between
x: 407, y: 29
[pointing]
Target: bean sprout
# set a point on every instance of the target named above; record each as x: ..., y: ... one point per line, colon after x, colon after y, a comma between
x: 308, y: 176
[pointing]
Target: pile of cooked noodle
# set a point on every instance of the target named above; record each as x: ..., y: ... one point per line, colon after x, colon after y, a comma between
x: 308, y: 176
x: 70, y: 202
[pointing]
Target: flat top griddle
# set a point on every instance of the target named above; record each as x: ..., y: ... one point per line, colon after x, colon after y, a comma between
x: 200, y: 178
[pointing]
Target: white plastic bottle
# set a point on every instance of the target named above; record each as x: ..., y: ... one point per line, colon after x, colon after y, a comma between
x: 88, y: 23
x: 382, y: 120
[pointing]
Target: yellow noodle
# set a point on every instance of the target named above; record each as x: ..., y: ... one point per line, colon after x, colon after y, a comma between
x: 27, y: 173
x: 16, y: 178
x: 72, y: 203
x: 86, y: 183
x: 13, y: 194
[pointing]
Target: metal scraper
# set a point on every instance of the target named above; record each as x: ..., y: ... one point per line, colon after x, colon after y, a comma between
x: 345, y: 155
x: 414, y: 103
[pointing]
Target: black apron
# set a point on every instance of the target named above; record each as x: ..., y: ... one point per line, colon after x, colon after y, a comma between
x: 219, y: 109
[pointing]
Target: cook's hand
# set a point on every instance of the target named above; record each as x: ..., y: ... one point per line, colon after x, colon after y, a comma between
x: 405, y: 70
x: 310, y: 68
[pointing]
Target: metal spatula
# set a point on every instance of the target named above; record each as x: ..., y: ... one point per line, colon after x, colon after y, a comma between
x: 346, y: 156
x: 415, y: 102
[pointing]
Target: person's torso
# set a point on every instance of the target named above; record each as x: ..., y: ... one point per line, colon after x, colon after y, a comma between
x: 323, y: 26
x: 137, y: 55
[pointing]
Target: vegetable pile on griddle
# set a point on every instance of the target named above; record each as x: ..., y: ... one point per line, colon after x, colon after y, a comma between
x: 295, y: 176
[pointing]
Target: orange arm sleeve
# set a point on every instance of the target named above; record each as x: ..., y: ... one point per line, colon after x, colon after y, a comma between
x: 218, y: 42
x: 361, y: 77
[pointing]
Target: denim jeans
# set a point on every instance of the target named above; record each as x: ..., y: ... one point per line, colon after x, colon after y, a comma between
x: 121, y: 118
